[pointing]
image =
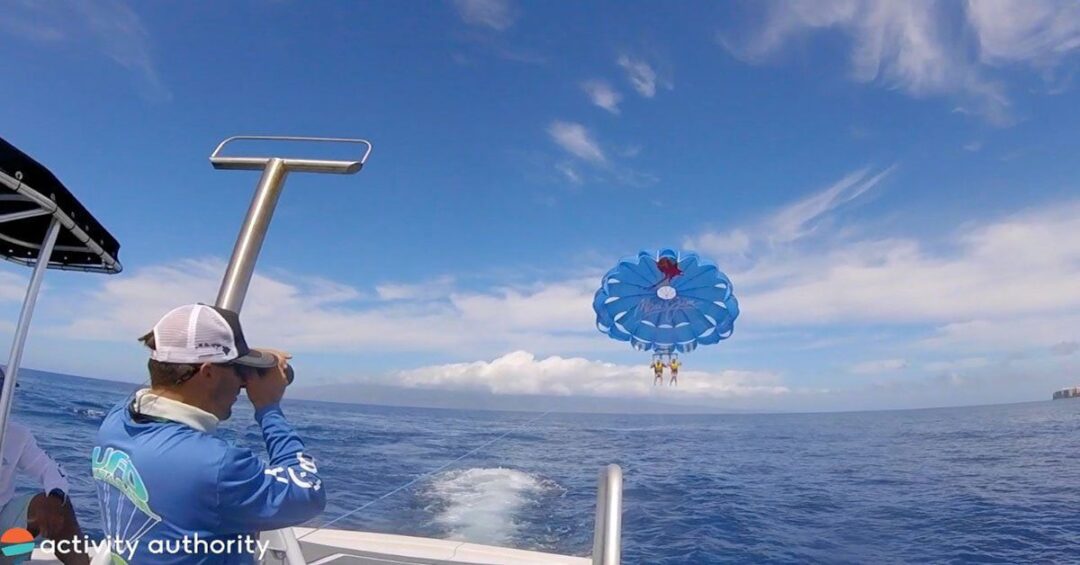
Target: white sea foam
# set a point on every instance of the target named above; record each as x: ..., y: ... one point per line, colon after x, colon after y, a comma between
x: 483, y: 505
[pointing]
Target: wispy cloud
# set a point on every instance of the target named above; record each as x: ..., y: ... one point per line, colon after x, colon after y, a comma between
x: 30, y: 21
x: 569, y: 172
x: 520, y: 372
x: 1037, y: 32
x: 734, y: 242
x: 920, y: 48
x: 991, y: 292
x: 603, y: 95
x: 498, y: 15
x: 797, y: 220
x: 576, y: 140
x: 641, y: 75
x: 434, y: 289
x: 790, y: 222
x: 12, y: 287
x: 1023, y: 265
x: 878, y: 367
x: 111, y: 26
x: 999, y: 284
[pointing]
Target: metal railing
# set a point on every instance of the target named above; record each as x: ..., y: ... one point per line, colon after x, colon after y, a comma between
x: 607, y: 536
x: 249, y: 242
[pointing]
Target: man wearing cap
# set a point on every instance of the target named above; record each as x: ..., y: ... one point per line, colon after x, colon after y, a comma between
x: 171, y: 491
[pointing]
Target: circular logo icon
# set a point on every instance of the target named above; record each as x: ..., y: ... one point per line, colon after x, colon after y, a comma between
x: 16, y: 541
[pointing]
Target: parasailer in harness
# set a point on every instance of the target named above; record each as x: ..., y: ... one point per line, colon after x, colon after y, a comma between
x: 674, y: 365
x: 670, y: 267
x: 658, y: 370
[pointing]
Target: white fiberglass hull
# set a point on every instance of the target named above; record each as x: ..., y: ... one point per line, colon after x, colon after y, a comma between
x: 343, y: 547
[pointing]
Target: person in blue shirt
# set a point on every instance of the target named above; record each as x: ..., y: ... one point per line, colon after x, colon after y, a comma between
x: 171, y: 491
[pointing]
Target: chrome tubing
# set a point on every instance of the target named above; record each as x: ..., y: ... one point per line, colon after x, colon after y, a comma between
x: 275, y: 170
x: 299, y: 165
x: 607, y: 536
x: 19, y: 341
x: 249, y: 242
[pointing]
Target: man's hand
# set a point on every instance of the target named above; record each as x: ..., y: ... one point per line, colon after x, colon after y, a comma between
x: 269, y: 386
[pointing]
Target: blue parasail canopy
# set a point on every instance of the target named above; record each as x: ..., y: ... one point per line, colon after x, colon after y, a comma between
x: 666, y: 302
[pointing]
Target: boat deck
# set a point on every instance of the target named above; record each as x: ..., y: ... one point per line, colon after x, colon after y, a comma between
x: 343, y: 547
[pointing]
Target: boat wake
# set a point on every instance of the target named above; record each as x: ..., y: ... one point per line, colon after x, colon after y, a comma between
x: 485, y: 505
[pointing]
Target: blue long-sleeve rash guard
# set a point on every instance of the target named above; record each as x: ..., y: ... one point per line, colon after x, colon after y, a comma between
x: 160, y: 482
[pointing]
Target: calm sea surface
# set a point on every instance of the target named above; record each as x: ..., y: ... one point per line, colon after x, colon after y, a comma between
x: 993, y: 484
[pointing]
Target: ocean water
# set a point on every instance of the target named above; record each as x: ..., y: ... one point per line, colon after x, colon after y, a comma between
x: 991, y: 484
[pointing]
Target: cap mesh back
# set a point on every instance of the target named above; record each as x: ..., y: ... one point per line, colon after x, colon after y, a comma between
x: 193, y: 333
x: 175, y: 329
x: 210, y: 328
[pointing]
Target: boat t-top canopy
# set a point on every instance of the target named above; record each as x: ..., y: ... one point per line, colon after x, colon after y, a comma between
x: 44, y: 226
x: 30, y: 199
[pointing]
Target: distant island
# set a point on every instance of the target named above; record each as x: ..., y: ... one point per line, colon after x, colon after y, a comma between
x: 1073, y: 392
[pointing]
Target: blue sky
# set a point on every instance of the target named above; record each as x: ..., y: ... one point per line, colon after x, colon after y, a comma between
x: 891, y: 187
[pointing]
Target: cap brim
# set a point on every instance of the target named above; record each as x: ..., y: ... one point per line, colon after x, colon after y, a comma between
x: 257, y: 359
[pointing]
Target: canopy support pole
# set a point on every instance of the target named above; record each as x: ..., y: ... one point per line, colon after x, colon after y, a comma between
x: 15, y: 358
x: 249, y: 242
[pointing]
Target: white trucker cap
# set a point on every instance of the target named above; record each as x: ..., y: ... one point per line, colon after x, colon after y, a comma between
x: 197, y: 333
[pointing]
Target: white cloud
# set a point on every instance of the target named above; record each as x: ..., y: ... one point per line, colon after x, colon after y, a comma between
x: 562, y: 306
x: 495, y: 14
x: 520, y: 372
x: 920, y: 48
x: 985, y: 332
x: 1005, y: 284
x: 641, y: 76
x: 435, y: 289
x: 1040, y: 32
x: 734, y: 242
x: 602, y: 94
x: 13, y: 287
x: 311, y: 314
x: 973, y: 146
x: 1018, y: 266
x: 575, y: 139
x: 110, y: 25
x: 879, y: 366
